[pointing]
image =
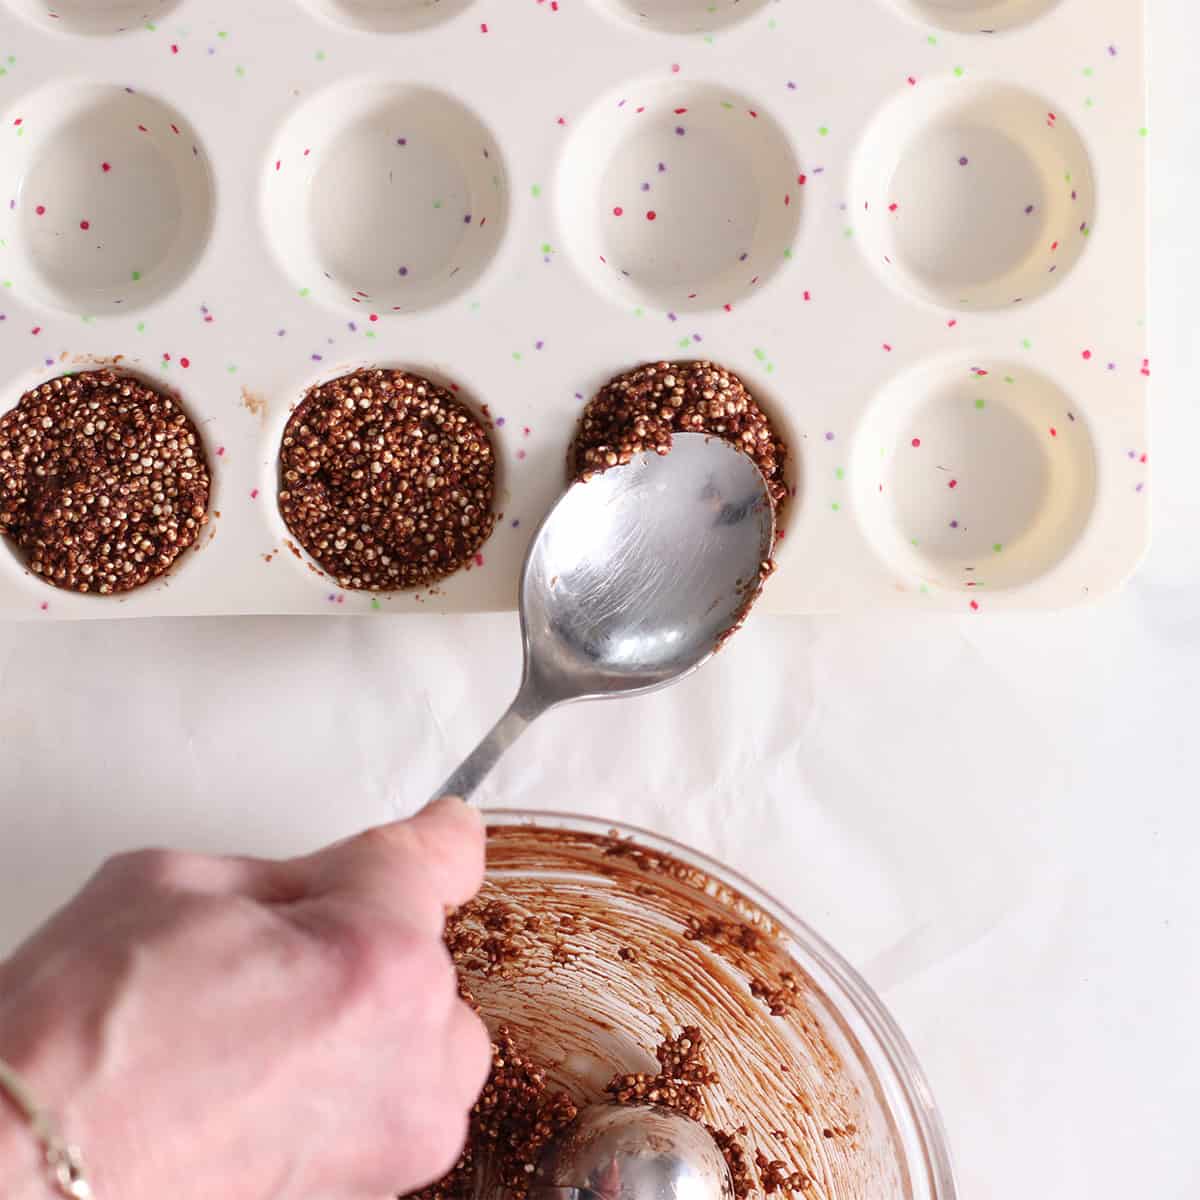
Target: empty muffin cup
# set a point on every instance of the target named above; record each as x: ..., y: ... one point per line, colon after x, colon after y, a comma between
x: 973, y: 195
x: 684, y: 16
x: 382, y: 196
x: 976, y: 16
x: 93, y: 16
x: 112, y: 199
x: 974, y: 477
x: 388, y: 16
x: 683, y: 197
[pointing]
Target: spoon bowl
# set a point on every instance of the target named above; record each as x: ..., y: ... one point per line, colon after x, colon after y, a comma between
x: 636, y: 1152
x: 633, y: 581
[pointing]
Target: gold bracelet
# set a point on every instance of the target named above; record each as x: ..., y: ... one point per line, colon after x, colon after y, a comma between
x: 63, y: 1161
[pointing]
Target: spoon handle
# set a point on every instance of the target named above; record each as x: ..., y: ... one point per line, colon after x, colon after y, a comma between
x: 478, y: 764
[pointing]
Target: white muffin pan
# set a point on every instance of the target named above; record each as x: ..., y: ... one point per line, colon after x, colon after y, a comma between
x: 915, y: 228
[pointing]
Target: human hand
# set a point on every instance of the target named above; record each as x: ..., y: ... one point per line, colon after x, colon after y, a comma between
x: 250, y: 1030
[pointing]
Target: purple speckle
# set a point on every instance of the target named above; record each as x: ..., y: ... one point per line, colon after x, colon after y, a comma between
x: 680, y: 131
x: 791, y: 85
x: 672, y: 316
x: 318, y: 357
x: 962, y: 162
x: 829, y: 437
x: 1112, y: 366
x: 538, y: 345
x: 1141, y: 487
x: 467, y: 219
x: 501, y: 422
x: 645, y: 187
x: 352, y: 326
x: 1028, y: 209
x: 281, y: 333
x: 1132, y: 454
x: 402, y: 272
x: 697, y: 338
x: 402, y: 141
x: 743, y: 256
x: 953, y: 524
x: 578, y: 395
x: 516, y: 524
x: 662, y: 167
x: 1112, y: 52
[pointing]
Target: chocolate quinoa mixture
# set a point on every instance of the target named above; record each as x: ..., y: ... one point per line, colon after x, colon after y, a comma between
x: 642, y: 409
x: 636, y: 979
x: 387, y: 480
x: 103, y: 482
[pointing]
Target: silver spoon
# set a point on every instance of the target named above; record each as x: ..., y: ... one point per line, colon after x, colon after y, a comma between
x: 632, y: 581
x: 615, y: 1152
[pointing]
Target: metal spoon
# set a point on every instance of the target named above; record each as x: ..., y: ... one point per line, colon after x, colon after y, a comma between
x: 615, y: 1152
x: 632, y: 581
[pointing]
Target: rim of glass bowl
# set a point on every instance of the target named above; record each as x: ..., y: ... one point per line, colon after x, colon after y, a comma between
x: 904, y: 1091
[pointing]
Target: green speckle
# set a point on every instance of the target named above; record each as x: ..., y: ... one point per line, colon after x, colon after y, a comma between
x: 788, y: 252
x: 221, y: 33
x: 639, y: 311
x: 375, y: 605
x: 959, y: 72
x: 1088, y: 72
x: 141, y: 327
x: 516, y: 356
x: 1026, y: 344
x: 924, y: 589
x: 474, y: 305
x: 232, y: 368
x: 932, y: 39
x: 916, y: 542
x: 320, y: 56
x: 761, y: 355
x: 240, y: 71
x: 437, y: 204
x: 370, y: 334
x: 840, y: 473
x: 997, y: 548
x: 1089, y: 103
x: 684, y: 343
x: 137, y: 276
x: 836, y: 506
x: 305, y: 293
x: 536, y: 190
x: 725, y: 104
x: 1009, y: 379
x: 8, y: 283
x: 823, y: 130
x: 87, y: 320
x: 981, y: 403
x: 547, y: 248
x: 1143, y: 132
x: 848, y: 231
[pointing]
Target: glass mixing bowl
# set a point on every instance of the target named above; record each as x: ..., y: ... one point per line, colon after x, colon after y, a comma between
x: 594, y: 943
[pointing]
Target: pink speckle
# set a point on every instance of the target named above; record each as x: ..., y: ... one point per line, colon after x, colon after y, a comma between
x: 1087, y: 356
x: 40, y: 210
x: 479, y: 560
x: 618, y: 211
x: 974, y: 605
x: 522, y: 455
x: 85, y: 225
x: 916, y: 443
x: 1053, y: 432
x: 106, y: 167
x: 254, y: 494
x: 185, y: 363
x: 952, y: 484
x: 220, y: 451
x: 652, y: 215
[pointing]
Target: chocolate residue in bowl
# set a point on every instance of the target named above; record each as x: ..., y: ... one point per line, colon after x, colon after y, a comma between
x: 608, y: 971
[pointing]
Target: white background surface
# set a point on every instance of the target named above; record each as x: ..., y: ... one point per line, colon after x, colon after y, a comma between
x: 996, y: 818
